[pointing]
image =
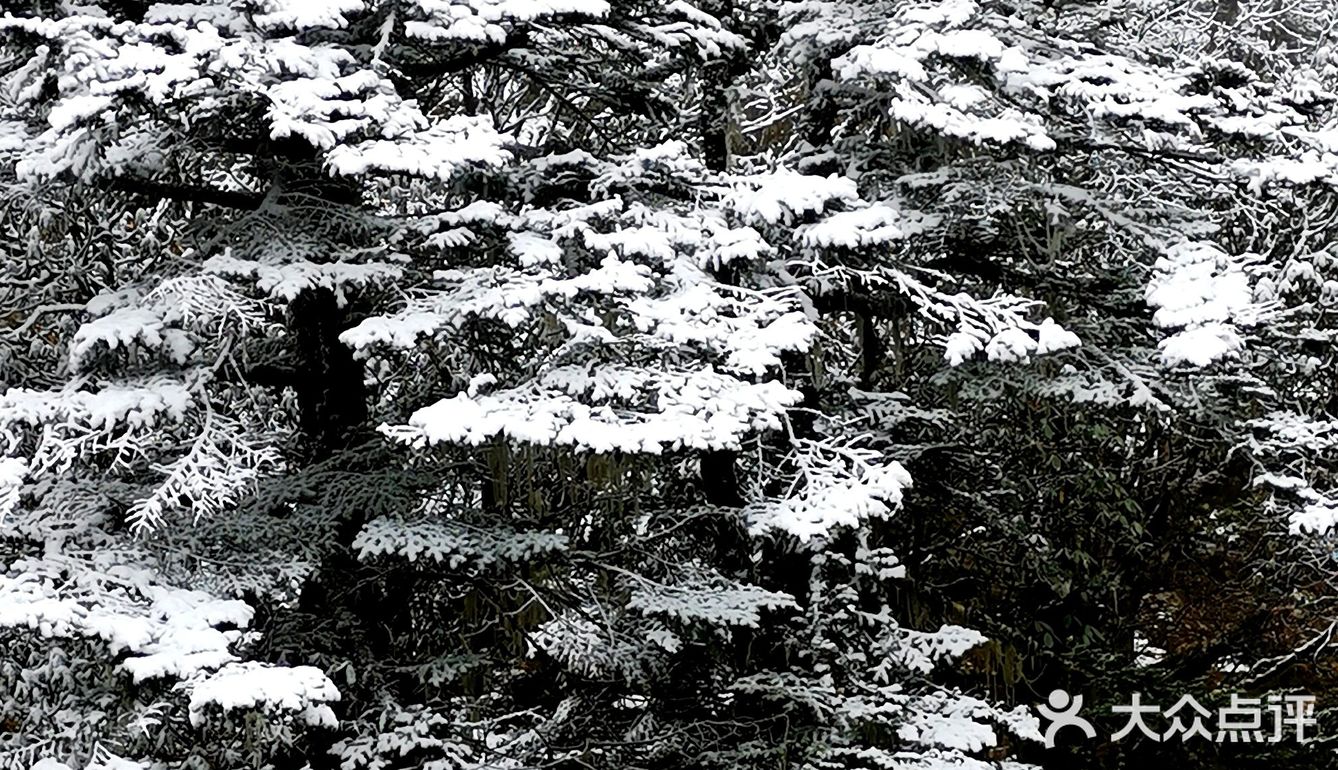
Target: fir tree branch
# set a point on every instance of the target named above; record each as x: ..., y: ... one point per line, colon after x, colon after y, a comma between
x: 234, y: 199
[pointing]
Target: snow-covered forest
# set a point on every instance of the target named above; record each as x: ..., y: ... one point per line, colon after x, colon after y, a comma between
x: 668, y: 385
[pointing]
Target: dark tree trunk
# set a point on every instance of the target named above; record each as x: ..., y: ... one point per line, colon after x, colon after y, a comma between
x: 331, y: 396
x: 719, y: 468
x: 713, y: 121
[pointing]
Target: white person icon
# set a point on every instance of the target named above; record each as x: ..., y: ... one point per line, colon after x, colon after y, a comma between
x: 1062, y: 712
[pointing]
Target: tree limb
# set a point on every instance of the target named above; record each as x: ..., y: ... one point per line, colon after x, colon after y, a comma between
x: 234, y: 199
x: 38, y: 312
x: 1164, y: 153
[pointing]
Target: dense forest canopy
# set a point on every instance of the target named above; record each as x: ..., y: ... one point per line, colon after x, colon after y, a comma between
x: 642, y: 385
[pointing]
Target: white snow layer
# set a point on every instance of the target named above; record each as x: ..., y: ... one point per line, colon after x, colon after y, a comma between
x: 251, y: 685
x: 1206, y: 293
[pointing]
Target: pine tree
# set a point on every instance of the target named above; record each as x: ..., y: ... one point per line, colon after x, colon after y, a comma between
x: 1113, y: 167
x: 487, y: 383
x: 464, y: 403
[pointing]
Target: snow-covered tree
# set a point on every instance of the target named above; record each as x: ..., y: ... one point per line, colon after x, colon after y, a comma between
x: 489, y: 383
x: 458, y: 407
x: 1119, y: 168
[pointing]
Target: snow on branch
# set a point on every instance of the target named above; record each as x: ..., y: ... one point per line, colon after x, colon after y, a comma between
x: 167, y: 631
x: 1000, y: 325
x: 439, y: 151
x: 591, y: 647
x: 963, y: 69
x: 454, y: 543
x: 218, y: 468
x: 606, y: 409
x: 286, y: 279
x: 487, y: 21
x: 874, y: 224
x: 159, y: 630
x: 304, y: 14
x: 1286, y: 442
x: 132, y: 405
x: 127, y: 328
x: 831, y: 486
x: 303, y: 690
x: 1204, y: 292
x: 507, y: 295
x: 13, y: 472
x: 783, y: 196
x: 173, y: 319
x: 716, y: 605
